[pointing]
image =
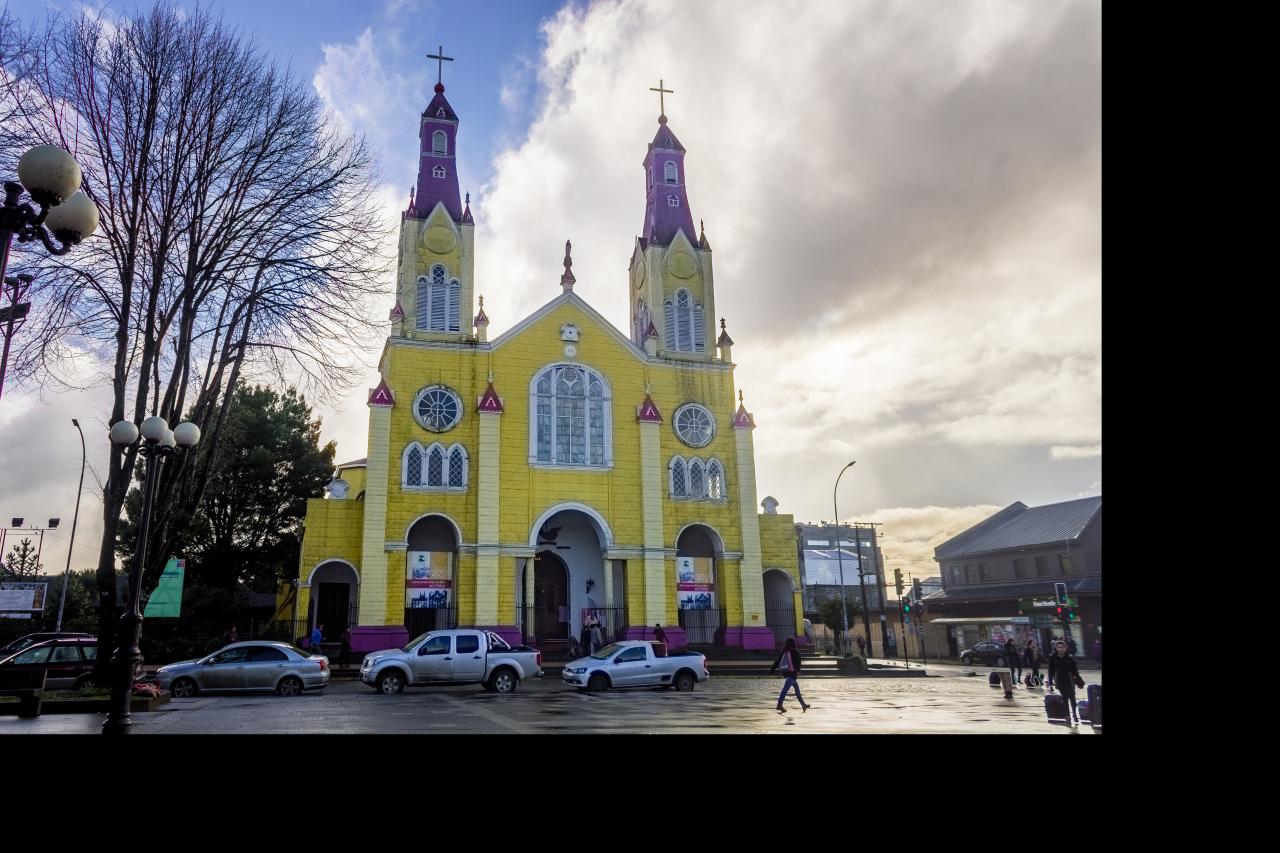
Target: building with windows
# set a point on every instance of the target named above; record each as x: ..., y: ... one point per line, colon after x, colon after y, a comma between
x: 999, y: 577
x: 562, y: 470
x: 820, y: 564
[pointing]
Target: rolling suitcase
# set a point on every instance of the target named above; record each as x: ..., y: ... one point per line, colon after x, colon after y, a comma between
x: 1082, y: 708
x: 1094, y: 693
x: 994, y: 679
x: 1055, y: 708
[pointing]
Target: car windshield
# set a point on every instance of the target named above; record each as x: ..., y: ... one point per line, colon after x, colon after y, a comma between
x: 409, y: 645
x: 607, y: 652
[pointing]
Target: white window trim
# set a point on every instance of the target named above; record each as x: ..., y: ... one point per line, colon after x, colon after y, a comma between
x: 452, y: 291
x: 417, y: 398
x: 705, y: 462
x: 715, y: 428
x: 533, y: 421
x: 438, y: 171
x: 671, y: 167
x: 440, y: 134
x: 673, y: 200
x: 426, y: 454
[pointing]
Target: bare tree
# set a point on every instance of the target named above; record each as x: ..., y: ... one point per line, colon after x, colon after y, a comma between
x: 238, y: 238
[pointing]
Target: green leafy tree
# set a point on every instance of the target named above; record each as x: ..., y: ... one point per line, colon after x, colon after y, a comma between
x: 23, y: 563
x: 245, y: 530
x: 79, y: 613
x: 833, y: 617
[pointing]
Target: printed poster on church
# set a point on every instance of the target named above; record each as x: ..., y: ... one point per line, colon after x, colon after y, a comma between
x: 695, y: 583
x: 428, y: 579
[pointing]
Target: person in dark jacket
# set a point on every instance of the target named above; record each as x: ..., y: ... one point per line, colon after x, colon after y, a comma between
x: 1014, y: 659
x: 1032, y: 659
x: 1064, y: 673
x: 789, y: 661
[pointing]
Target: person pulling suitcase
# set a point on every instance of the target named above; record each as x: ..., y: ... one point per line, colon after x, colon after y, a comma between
x: 1064, y: 673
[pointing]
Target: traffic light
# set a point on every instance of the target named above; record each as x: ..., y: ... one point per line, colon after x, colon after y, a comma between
x: 1060, y: 590
x: 917, y: 589
x: 1071, y: 615
x: 906, y: 606
x: 897, y: 580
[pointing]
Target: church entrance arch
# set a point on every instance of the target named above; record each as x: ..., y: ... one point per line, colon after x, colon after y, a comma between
x: 779, y: 605
x: 564, y: 582
x: 334, y: 594
x: 698, y: 549
x: 430, y: 563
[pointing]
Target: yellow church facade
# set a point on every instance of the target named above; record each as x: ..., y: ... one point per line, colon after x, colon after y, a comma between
x: 561, y: 473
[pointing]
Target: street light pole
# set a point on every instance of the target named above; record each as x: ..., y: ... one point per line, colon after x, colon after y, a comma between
x: 835, y: 505
x: 862, y: 582
x: 66, y: 575
x: 158, y: 443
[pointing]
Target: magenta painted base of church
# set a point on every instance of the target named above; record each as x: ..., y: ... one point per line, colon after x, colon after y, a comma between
x: 750, y: 638
x: 375, y: 639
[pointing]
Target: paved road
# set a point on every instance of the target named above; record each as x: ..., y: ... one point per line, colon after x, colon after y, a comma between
x: 952, y: 703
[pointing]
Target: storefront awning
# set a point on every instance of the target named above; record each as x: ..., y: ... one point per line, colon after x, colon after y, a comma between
x: 981, y: 620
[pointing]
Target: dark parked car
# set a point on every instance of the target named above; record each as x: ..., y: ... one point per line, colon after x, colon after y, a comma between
x: 987, y: 653
x: 69, y: 661
x: 31, y: 639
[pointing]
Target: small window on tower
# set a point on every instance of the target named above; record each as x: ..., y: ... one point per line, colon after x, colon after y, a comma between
x: 439, y: 143
x: 440, y: 112
x: 673, y: 201
x: 669, y: 172
x: 437, y: 172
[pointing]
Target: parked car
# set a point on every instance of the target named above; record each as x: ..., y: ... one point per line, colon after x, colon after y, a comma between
x: 245, y: 667
x: 636, y: 663
x: 456, y: 656
x: 31, y: 639
x: 69, y: 661
x: 987, y: 653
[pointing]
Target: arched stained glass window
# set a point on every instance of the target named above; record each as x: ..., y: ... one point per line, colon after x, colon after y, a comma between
x: 435, y: 467
x: 572, y: 421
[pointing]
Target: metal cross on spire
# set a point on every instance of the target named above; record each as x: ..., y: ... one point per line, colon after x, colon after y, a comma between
x: 441, y: 59
x: 662, y: 109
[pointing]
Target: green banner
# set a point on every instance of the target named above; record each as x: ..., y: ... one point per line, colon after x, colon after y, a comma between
x: 166, y: 601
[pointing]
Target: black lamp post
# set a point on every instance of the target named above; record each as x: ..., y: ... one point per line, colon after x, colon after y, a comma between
x: 66, y: 575
x: 52, y: 177
x: 844, y: 609
x: 158, y: 443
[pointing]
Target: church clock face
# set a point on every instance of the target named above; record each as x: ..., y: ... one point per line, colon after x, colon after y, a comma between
x: 437, y: 408
x: 694, y: 425
x: 338, y: 489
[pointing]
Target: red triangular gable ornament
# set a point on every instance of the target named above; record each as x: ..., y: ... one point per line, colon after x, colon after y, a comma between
x: 742, y: 419
x: 490, y: 402
x: 382, y: 395
x: 647, y: 412
x: 397, y: 313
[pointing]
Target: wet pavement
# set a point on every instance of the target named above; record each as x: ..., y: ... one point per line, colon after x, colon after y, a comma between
x: 949, y: 702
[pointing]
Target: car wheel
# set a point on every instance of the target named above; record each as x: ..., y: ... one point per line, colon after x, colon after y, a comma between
x: 685, y: 682
x: 289, y: 686
x: 183, y: 688
x: 967, y: 660
x: 999, y: 661
x: 598, y: 683
x: 85, y: 682
x: 504, y: 680
x: 390, y: 682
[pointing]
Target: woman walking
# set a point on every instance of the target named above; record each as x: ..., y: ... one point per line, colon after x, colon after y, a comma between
x: 789, y: 660
x: 1032, y: 659
x: 1064, y: 673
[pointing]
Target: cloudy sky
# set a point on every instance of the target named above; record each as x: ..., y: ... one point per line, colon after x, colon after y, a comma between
x: 904, y: 199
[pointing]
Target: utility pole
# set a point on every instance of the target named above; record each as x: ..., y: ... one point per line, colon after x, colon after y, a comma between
x: 862, y: 582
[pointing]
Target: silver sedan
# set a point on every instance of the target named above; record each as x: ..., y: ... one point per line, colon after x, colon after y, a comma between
x: 244, y: 667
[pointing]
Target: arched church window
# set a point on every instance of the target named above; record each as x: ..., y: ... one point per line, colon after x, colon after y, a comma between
x: 437, y: 172
x: 435, y: 467
x: 457, y: 467
x: 438, y: 301
x: 670, y: 173
x: 439, y: 143
x: 679, y: 484
x: 715, y: 481
x: 673, y: 201
x: 685, y: 332
x: 413, y: 466
x: 697, y: 485
x: 572, y: 424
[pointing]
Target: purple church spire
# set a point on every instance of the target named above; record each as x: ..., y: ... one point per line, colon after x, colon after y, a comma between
x: 437, y: 160
x: 666, y: 207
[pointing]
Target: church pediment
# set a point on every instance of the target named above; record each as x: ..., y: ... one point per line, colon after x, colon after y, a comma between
x: 589, y: 324
x: 440, y: 234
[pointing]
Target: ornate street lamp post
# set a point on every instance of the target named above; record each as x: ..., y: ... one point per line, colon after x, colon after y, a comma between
x: 158, y: 443
x: 52, y: 177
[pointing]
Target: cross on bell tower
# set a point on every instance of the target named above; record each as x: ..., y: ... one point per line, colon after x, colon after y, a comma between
x: 662, y: 110
x: 441, y: 59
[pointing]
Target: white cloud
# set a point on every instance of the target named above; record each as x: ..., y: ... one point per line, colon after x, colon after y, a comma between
x: 1070, y: 452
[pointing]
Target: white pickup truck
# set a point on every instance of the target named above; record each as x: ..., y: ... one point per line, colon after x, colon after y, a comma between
x: 456, y: 656
x: 636, y: 663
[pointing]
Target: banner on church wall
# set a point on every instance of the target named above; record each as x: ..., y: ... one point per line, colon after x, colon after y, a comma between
x: 696, y: 583
x: 428, y: 579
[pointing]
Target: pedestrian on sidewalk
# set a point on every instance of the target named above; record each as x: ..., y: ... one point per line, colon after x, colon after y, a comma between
x: 1014, y: 659
x: 1066, y: 675
x: 317, y: 637
x: 659, y: 635
x: 862, y: 647
x: 344, y: 653
x: 1033, y: 659
x: 231, y: 636
x: 789, y: 660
